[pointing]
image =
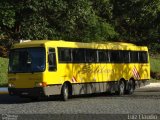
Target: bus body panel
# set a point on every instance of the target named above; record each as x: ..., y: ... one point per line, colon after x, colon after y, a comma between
x: 82, y: 73
x: 25, y: 80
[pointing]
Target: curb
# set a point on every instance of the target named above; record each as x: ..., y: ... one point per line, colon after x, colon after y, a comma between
x: 152, y: 85
x: 2, y: 93
x: 3, y: 90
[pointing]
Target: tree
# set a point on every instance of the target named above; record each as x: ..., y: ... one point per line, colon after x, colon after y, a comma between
x: 136, y: 20
x: 81, y: 20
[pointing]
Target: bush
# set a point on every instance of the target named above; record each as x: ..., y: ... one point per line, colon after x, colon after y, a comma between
x: 3, y: 71
x: 3, y: 51
x: 155, y: 75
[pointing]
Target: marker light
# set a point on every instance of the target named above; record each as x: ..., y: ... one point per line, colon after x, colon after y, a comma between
x: 41, y: 84
x: 11, y: 85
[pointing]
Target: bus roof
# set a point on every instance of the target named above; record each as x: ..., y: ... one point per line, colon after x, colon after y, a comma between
x: 61, y: 43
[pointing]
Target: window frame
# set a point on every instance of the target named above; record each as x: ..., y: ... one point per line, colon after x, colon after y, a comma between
x: 93, y: 56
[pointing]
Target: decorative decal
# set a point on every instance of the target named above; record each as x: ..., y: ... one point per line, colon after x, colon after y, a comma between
x: 74, y: 79
x: 136, y: 73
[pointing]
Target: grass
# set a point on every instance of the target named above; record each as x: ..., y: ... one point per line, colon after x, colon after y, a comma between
x: 3, y: 71
x: 155, y: 64
x: 155, y: 68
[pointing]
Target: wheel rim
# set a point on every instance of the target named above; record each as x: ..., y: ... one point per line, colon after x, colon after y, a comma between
x: 121, y: 87
x: 65, y: 93
x: 131, y: 87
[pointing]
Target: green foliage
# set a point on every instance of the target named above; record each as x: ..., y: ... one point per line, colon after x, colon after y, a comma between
x: 7, y: 14
x: 135, y: 21
x: 155, y: 47
x: 155, y: 69
x: 76, y: 20
x: 3, y: 70
x: 155, y: 62
x: 3, y: 51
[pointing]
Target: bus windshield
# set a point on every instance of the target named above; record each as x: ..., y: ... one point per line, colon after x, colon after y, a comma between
x: 27, y: 60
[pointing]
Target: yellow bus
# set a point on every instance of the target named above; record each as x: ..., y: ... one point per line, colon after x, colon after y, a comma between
x: 46, y: 68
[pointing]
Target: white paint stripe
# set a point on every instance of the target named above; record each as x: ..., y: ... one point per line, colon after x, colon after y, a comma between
x: 73, y: 79
x: 152, y: 85
x: 136, y: 74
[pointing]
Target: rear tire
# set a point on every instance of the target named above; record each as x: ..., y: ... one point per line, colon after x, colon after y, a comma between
x: 65, y: 92
x: 121, y: 88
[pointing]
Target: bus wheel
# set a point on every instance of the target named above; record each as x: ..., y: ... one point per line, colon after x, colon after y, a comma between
x: 65, y: 92
x: 131, y: 87
x: 121, y: 88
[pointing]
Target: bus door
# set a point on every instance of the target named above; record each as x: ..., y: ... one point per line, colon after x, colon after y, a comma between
x: 52, y: 77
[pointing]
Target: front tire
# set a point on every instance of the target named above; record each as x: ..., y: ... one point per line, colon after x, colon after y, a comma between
x: 65, y: 92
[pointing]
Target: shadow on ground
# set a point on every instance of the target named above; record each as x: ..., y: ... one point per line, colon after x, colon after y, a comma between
x: 142, y: 93
x: 7, y: 99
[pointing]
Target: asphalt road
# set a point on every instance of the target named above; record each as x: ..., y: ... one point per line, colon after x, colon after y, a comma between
x: 143, y: 101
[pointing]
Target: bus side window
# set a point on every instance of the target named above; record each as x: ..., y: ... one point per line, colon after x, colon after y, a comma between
x: 91, y: 56
x: 143, y: 58
x: 115, y: 56
x: 134, y: 57
x: 52, y: 60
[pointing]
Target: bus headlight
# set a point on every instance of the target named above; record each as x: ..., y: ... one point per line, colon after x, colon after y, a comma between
x: 41, y: 84
x: 11, y: 85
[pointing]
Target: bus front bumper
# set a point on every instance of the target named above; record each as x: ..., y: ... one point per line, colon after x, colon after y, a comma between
x: 37, y: 91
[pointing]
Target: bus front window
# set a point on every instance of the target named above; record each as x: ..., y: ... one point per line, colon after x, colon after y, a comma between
x: 27, y: 60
